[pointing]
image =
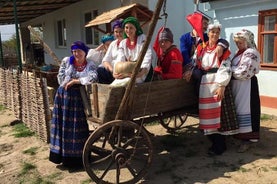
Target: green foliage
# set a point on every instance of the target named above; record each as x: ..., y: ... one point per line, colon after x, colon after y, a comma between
x: 22, y: 131
x: 10, y: 45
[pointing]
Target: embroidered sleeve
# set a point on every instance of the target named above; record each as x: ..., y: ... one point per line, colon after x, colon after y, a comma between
x: 147, y: 60
x: 248, y: 65
x: 223, y: 75
x: 64, y: 72
x: 95, y: 56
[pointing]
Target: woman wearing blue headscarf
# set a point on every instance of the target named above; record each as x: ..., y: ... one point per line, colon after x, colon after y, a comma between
x: 97, y: 54
x: 69, y: 128
x: 129, y: 50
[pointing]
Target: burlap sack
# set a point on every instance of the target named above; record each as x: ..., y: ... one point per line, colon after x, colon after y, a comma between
x: 124, y: 67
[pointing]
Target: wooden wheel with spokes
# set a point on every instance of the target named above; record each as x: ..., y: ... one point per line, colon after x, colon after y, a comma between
x: 173, y: 123
x: 118, y: 152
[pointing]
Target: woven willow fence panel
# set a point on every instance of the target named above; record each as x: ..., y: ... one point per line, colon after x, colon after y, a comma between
x: 27, y: 96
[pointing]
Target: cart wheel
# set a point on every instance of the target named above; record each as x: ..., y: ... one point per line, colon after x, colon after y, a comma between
x: 118, y: 152
x: 173, y: 123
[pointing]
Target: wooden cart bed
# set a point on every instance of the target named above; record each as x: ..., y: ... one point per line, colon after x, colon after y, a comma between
x: 145, y: 99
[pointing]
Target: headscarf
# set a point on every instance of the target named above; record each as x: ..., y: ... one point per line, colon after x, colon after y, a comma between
x: 135, y: 22
x: 117, y: 23
x: 78, y: 45
x: 214, y: 26
x: 248, y: 36
x: 106, y: 38
x: 166, y: 34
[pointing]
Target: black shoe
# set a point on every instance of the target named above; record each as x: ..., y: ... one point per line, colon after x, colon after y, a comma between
x: 213, y: 152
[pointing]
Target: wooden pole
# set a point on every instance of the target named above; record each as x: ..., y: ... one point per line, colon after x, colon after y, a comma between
x: 124, y: 101
x: 45, y: 46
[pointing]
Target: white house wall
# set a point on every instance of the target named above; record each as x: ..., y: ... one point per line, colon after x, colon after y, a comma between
x: 73, y: 15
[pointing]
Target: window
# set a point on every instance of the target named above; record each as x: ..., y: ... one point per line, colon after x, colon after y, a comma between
x: 91, y: 34
x: 267, y: 33
x: 61, y: 31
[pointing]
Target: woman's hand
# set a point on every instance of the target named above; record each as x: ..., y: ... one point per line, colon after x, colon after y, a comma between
x: 108, y: 66
x: 219, y: 50
x: 219, y: 92
x: 187, y: 75
x: 71, y: 83
x: 120, y: 75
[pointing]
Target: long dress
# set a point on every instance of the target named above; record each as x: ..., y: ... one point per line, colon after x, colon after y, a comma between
x: 245, y: 65
x: 69, y: 129
x: 216, y: 116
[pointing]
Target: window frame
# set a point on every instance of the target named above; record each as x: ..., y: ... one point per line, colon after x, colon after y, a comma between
x: 262, y: 33
x: 61, y: 34
x: 95, y: 34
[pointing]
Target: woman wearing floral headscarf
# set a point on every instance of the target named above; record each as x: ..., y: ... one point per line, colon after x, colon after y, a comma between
x: 245, y: 65
x: 69, y: 129
x: 129, y: 50
x: 216, y: 108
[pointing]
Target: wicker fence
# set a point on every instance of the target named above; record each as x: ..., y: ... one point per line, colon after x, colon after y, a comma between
x: 27, y: 96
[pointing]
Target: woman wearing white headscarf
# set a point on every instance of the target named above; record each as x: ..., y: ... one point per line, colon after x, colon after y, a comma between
x: 245, y: 65
x: 216, y: 108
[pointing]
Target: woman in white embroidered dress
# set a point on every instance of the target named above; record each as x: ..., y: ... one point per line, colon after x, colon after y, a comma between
x: 245, y: 65
x: 130, y: 48
x: 215, y: 119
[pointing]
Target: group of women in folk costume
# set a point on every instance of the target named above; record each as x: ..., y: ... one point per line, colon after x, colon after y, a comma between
x: 228, y: 94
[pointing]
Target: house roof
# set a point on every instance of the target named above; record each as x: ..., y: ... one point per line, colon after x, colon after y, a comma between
x: 29, y: 9
x: 142, y: 13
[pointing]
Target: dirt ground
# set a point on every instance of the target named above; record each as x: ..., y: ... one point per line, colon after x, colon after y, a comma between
x: 178, y: 159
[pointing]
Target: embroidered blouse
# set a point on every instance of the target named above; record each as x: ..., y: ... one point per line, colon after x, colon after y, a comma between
x: 67, y: 72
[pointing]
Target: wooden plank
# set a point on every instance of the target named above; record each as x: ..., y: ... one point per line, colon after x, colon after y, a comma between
x: 147, y: 99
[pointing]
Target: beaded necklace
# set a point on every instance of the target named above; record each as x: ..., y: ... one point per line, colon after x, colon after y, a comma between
x: 129, y: 45
x: 80, y: 67
x: 207, y: 49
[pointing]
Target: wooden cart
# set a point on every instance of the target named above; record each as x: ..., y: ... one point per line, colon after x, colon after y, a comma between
x: 123, y: 147
x: 120, y: 149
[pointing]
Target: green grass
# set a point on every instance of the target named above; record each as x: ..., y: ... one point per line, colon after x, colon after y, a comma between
x: 30, y: 174
x: 26, y: 168
x: 31, y: 151
x: 86, y: 181
x: 266, y: 117
x: 242, y: 169
x: 22, y: 131
x: 273, y: 168
x: 2, y: 108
